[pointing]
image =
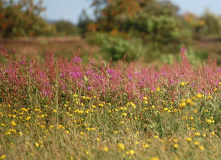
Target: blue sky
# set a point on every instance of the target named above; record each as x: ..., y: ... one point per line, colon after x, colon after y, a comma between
x: 71, y: 9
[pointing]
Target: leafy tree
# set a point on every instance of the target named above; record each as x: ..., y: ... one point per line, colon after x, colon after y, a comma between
x: 84, y: 21
x: 21, y: 18
x: 156, y: 23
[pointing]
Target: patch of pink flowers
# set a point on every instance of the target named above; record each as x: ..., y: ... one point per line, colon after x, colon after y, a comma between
x: 70, y: 76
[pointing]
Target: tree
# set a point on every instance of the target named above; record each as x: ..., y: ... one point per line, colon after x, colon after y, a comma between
x: 21, y: 18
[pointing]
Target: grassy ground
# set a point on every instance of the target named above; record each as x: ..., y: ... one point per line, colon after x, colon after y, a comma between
x: 38, y: 46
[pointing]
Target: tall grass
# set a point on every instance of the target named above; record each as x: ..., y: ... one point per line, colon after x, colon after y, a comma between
x: 63, y: 109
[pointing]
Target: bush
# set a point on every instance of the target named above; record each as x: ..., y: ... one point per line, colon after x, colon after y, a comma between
x: 66, y: 28
x: 116, y: 47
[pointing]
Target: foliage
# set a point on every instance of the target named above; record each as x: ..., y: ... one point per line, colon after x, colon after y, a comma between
x: 116, y: 47
x: 193, y: 55
x: 62, y: 109
x: 155, y: 23
x: 66, y: 28
x: 21, y: 18
x: 84, y: 21
x: 212, y: 23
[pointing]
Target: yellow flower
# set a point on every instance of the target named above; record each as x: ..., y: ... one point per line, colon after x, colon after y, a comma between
x: 145, y: 145
x: 201, y: 147
x: 154, y: 158
x: 209, y: 121
x: 133, y: 105
x: 20, y: 133
x: 55, y: 111
x: 213, y: 133
x: 124, y: 114
x: 196, y: 143
x: 121, y: 146
x: 13, y: 123
x: 144, y: 98
x: 3, y: 156
x: 182, y: 83
x: 36, y: 144
x: 199, y: 95
x: 131, y: 152
x: 101, y: 105
x: 106, y: 149
x: 182, y: 104
x: 188, y: 139
x: 197, y: 134
x: 175, y: 145
x: 188, y: 101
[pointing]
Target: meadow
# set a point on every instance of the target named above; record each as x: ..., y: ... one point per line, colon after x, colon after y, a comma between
x: 61, y: 108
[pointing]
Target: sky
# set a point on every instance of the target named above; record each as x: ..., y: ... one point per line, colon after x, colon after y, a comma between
x: 71, y: 9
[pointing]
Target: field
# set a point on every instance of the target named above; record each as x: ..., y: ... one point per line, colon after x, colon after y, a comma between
x: 61, y: 108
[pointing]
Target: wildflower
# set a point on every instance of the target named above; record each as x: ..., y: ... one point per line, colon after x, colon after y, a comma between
x: 145, y: 145
x: 3, y: 156
x: 188, y: 101
x: 209, y: 121
x: 122, y: 122
x: 98, y: 139
x: 182, y: 83
x: 197, y: 134
x: 196, y: 143
x: 121, y: 146
x: 133, y: 105
x: 20, y: 133
x: 106, y: 149
x: 212, y: 133
x: 182, y: 104
x: 158, y: 89
x: 154, y: 158
x: 144, y: 98
x: 124, y: 114
x: 55, y: 111
x: 36, y: 144
x: 199, y: 95
x: 188, y: 139
x: 13, y: 123
x: 175, y: 145
x: 131, y: 152
x: 201, y: 147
